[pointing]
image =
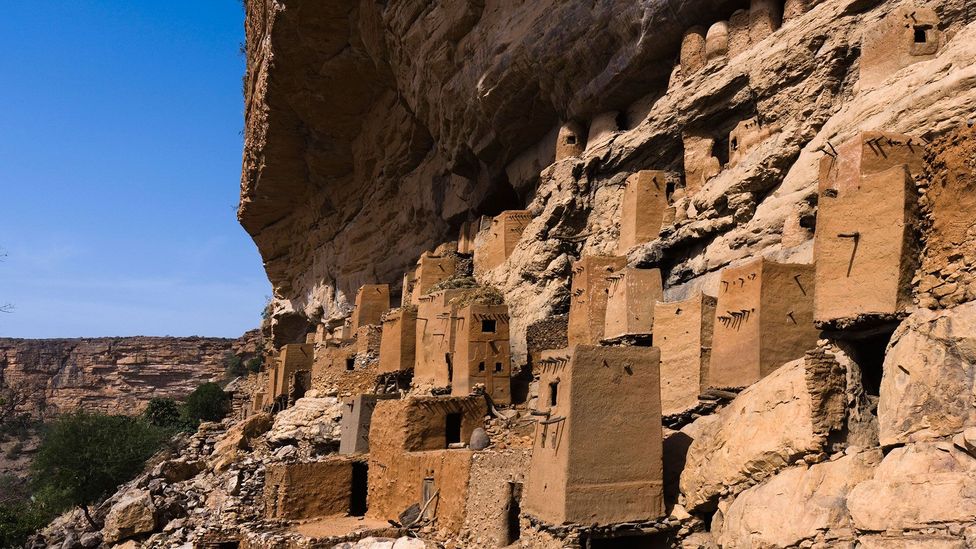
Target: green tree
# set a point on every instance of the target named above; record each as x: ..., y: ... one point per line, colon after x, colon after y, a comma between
x: 207, y: 402
x: 83, y: 456
x: 254, y: 365
x: 165, y: 413
x: 233, y: 365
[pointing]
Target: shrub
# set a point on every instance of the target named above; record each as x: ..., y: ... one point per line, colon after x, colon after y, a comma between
x: 233, y: 365
x: 165, y: 413
x: 18, y: 522
x: 14, y: 451
x: 84, y: 456
x: 255, y: 364
x: 207, y: 402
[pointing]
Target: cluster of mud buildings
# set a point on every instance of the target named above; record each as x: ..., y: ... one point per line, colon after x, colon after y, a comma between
x: 596, y: 383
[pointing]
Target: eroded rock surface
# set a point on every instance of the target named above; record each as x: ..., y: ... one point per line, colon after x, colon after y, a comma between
x: 929, y: 382
x: 798, y: 505
x: 919, y: 488
x: 748, y: 441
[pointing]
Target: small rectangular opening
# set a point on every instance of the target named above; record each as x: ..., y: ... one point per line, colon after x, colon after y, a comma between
x: 498, y: 367
x: 553, y: 393
x: 634, y: 541
x: 357, y: 495
x: 571, y: 139
x: 350, y: 364
x: 487, y: 326
x: 481, y: 366
x: 513, y: 512
x: 453, y: 429
x: 920, y: 35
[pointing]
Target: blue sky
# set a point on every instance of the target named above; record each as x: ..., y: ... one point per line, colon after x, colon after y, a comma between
x: 120, y: 153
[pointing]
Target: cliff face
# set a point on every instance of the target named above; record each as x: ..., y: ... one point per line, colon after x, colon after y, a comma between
x: 111, y: 375
x: 374, y: 129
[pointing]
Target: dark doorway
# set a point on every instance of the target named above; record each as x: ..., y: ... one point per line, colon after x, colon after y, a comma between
x: 720, y: 149
x: 869, y: 353
x: 357, y: 496
x: 920, y: 35
x: 453, y: 429
x: 350, y: 364
x: 301, y: 383
x: 513, y: 512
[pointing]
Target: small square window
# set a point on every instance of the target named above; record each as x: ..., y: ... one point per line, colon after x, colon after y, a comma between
x: 481, y: 366
x: 920, y: 35
x: 571, y: 139
x: 498, y: 367
x: 488, y: 326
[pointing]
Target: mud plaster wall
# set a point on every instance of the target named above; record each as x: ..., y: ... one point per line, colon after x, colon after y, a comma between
x: 570, y: 479
x: 865, y: 248
x: 683, y: 333
x: 297, y: 491
x: 372, y: 300
x: 630, y: 301
x: 642, y: 208
x: 293, y: 358
x: 435, y: 338
x: 482, y: 357
x: 431, y: 269
x: 398, y: 345
x: 332, y: 376
x: 890, y: 44
x: 763, y: 319
x: 588, y: 305
x: 407, y: 445
x: 497, y: 240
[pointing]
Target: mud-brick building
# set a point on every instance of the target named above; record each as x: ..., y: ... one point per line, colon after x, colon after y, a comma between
x: 763, y: 319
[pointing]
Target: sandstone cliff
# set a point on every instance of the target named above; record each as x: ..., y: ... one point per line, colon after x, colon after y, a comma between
x: 374, y: 130
x: 112, y: 375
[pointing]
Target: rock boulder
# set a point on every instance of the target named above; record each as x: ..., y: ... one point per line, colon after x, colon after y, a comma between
x: 797, y: 505
x: 132, y: 515
x: 772, y: 424
x: 917, y: 487
x: 929, y: 382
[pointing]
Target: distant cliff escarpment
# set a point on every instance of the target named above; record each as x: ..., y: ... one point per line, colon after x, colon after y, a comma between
x: 116, y: 375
